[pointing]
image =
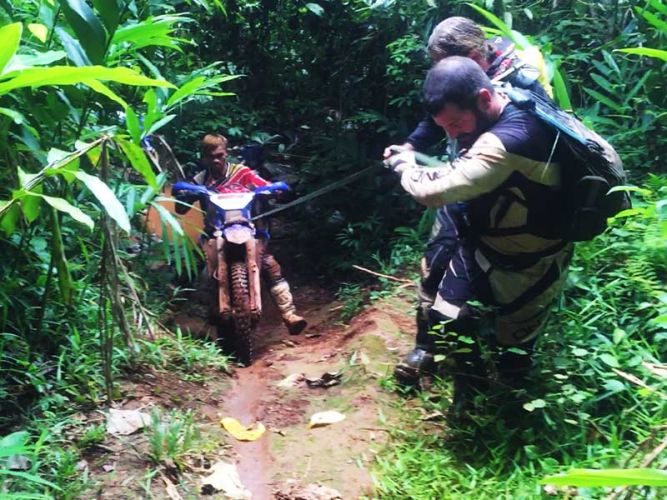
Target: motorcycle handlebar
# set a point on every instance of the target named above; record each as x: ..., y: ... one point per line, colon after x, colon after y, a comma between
x: 202, y: 190
x: 272, y: 188
x: 192, y: 188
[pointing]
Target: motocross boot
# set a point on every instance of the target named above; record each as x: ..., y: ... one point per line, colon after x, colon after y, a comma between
x: 416, y: 363
x: 281, y: 293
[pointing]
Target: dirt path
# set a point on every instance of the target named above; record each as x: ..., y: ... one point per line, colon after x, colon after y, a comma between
x: 289, y: 456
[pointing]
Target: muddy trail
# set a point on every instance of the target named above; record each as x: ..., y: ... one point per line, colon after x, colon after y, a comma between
x: 290, y: 460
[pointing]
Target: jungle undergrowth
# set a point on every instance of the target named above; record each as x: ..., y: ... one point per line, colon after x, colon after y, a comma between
x: 401, y: 262
x: 595, y: 399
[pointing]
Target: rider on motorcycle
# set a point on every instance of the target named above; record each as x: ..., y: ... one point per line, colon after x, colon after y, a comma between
x: 225, y: 177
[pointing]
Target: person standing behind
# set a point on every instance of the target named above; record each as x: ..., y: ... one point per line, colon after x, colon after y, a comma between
x: 514, y: 261
x: 455, y: 36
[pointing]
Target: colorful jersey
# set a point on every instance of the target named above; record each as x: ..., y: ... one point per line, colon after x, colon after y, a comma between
x: 239, y: 179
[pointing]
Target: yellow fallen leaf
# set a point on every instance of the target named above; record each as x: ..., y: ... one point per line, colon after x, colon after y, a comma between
x: 325, y: 418
x: 240, y: 432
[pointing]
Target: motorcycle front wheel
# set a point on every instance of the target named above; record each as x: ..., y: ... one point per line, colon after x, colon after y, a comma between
x: 243, y: 324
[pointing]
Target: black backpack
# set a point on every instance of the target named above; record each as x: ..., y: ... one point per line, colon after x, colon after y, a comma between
x: 594, y: 169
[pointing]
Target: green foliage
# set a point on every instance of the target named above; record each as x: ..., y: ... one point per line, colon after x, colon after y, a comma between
x: 595, y: 401
x: 609, y: 477
x: 352, y: 300
x: 25, y: 482
x: 326, y: 86
x: 79, y: 91
x: 192, y: 357
x: 170, y: 437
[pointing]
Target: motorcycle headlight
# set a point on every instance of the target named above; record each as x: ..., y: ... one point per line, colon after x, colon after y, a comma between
x: 237, y: 233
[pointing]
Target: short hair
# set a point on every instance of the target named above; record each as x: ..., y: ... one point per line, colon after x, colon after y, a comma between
x: 456, y: 36
x: 210, y: 142
x: 455, y: 80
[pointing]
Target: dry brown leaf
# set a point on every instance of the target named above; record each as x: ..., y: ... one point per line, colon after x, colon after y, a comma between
x: 225, y: 478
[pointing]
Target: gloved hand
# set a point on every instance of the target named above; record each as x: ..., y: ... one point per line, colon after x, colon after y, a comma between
x: 402, y: 161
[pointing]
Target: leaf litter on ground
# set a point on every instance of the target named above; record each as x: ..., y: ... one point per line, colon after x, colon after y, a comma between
x: 225, y: 477
x: 323, y: 418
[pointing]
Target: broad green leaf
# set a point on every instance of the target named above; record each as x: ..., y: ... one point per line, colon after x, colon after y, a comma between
x: 177, y: 255
x: 29, y: 477
x: 139, y: 161
x: 107, y: 199
x: 187, y: 256
x: 39, y: 31
x: 132, y: 124
x: 109, y: 12
x: 56, y: 155
x: 614, y: 386
x: 66, y: 207
x: 25, y: 178
x: 70, y: 160
x: 30, y: 206
x: 612, y: 63
x: 521, y: 42
x: 11, y: 37
x: 496, y: 21
x: 152, y: 111
x: 539, y: 403
x: 658, y: 5
x: 315, y: 8
x: 632, y: 189
x: 609, y: 478
x: 630, y: 95
x: 64, y: 277
x: 609, y: 360
x: 9, y: 216
x: 561, y: 93
x: 67, y: 75
x: 87, y: 26
x: 197, y: 85
x: 14, y: 440
x: 643, y: 51
x: 159, y: 124
x: 168, y: 218
x: 154, y: 31
x: 604, y: 100
x: 17, y: 117
x: 602, y: 82
x: 653, y: 20
x: 100, y: 88
x: 23, y: 61
x: 186, y: 90
x: 618, y: 335
x: 74, y: 50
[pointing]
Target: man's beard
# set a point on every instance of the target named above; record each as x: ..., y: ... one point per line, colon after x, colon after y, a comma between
x: 483, y: 123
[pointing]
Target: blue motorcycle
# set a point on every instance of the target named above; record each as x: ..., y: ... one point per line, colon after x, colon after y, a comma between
x: 233, y: 257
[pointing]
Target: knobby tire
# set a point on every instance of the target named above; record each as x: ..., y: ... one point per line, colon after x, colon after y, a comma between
x: 243, y: 324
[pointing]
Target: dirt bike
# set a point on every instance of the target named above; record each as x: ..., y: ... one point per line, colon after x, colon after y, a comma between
x: 233, y: 259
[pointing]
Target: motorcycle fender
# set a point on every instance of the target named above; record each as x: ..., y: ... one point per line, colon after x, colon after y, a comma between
x: 224, y: 304
x: 253, y: 277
